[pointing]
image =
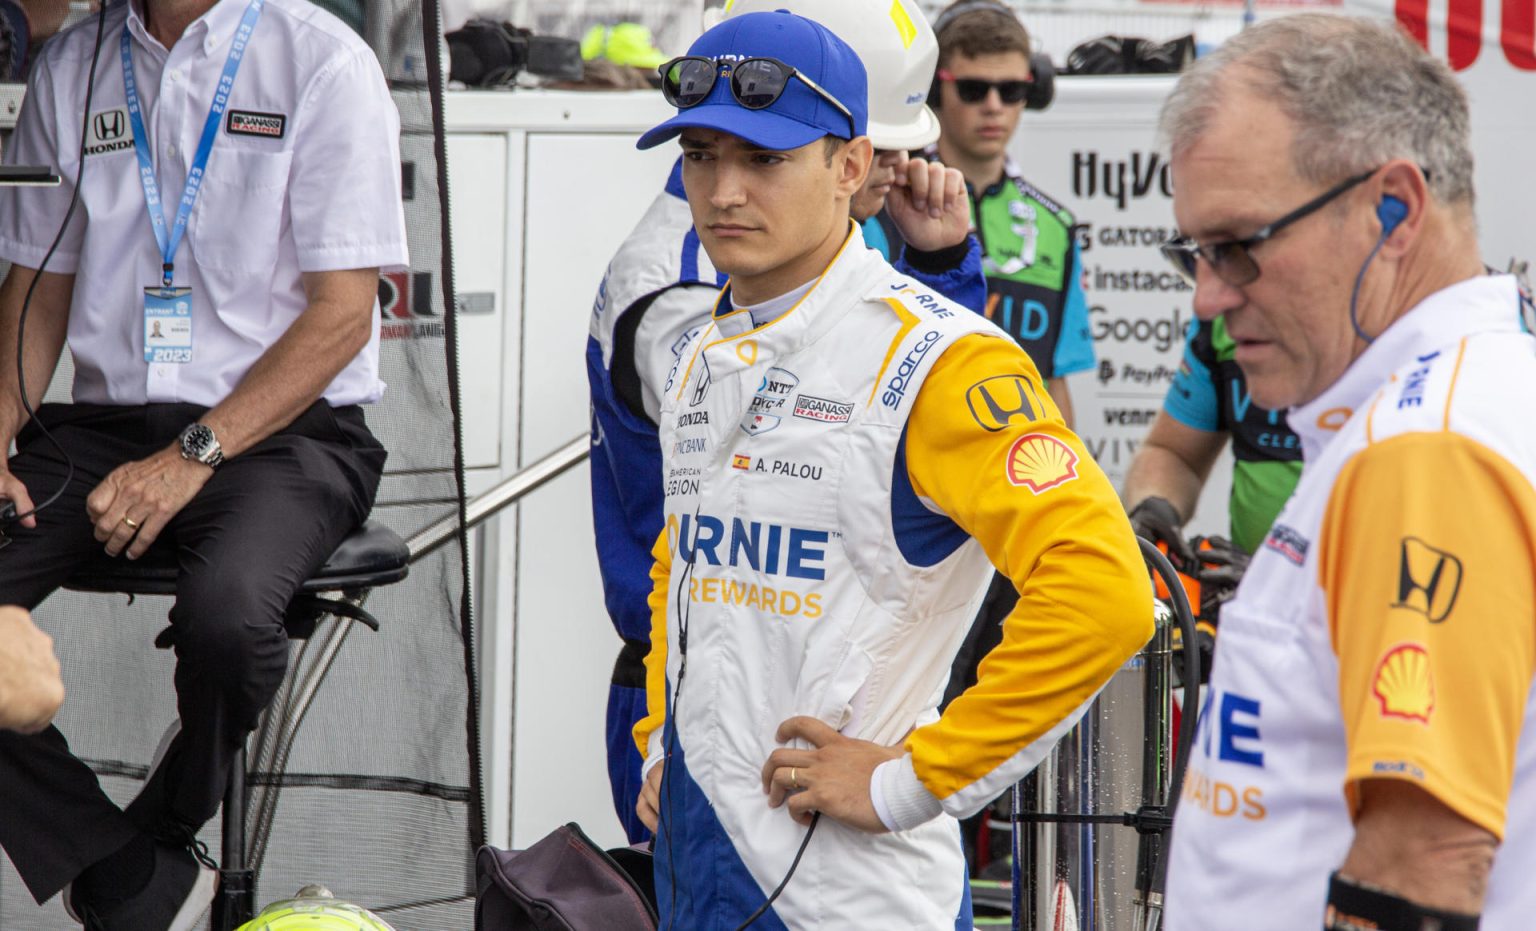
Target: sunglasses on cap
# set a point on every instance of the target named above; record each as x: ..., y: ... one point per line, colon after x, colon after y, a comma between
x: 974, y: 90
x: 1232, y: 260
x: 755, y: 82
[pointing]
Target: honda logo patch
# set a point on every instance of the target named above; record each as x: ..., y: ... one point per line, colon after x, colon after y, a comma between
x: 107, y: 131
x: 251, y: 123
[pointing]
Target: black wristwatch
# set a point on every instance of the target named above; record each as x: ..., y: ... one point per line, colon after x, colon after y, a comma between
x: 200, y: 445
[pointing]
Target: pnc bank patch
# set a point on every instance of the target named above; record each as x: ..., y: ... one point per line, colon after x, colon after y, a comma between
x: 252, y: 123
x: 1040, y: 462
x: 1405, y: 684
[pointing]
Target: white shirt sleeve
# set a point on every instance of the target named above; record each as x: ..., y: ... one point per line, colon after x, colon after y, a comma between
x: 344, y: 188
x: 900, y: 800
x: 667, y: 321
x: 30, y: 216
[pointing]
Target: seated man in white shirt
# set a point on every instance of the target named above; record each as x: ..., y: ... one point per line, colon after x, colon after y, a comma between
x: 236, y: 434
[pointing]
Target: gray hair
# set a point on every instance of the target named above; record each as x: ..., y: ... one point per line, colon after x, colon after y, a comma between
x: 1359, y: 92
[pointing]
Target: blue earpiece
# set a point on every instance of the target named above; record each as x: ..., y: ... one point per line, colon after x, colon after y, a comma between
x: 1391, y: 212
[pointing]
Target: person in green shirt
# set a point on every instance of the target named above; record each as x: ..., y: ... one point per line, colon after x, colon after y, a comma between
x: 1207, y: 403
x: 1029, y: 250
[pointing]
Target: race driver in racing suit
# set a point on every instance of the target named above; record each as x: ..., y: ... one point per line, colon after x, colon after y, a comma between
x: 660, y: 285
x: 846, y: 455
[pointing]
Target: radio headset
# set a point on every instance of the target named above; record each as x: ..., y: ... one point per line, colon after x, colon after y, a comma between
x: 8, y: 514
x: 1390, y: 212
x: 683, y: 605
x: 1042, y: 82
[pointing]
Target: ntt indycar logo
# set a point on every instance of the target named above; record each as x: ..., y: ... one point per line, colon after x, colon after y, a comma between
x: 772, y: 549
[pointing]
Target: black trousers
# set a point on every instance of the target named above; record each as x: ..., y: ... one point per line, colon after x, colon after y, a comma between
x: 262, y: 525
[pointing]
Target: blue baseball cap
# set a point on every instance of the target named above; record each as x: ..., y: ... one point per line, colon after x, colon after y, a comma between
x: 800, y: 116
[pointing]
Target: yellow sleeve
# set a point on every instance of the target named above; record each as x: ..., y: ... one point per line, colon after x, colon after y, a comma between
x: 1427, y: 560
x: 987, y: 445
x: 656, y: 659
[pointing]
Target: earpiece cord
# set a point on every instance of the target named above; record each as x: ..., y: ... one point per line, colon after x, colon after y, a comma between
x: 1354, y: 296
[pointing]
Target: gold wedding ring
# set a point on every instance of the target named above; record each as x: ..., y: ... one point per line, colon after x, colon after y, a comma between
x: 132, y: 524
x: 794, y: 782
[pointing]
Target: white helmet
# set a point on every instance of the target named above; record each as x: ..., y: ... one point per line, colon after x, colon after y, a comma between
x: 899, y: 51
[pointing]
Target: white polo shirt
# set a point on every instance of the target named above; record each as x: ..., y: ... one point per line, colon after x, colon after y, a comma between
x: 304, y: 177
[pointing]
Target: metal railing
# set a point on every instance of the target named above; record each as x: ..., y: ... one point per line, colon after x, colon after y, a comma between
x: 499, y: 496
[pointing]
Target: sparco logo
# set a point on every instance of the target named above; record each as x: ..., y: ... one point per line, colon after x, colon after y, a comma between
x: 108, y: 132
x: 896, y: 388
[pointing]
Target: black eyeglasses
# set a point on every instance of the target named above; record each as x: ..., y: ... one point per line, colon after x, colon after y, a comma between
x: 974, y: 90
x: 1232, y: 260
x: 755, y: 82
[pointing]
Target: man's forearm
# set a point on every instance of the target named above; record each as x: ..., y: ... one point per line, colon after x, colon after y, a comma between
x: 1062, y: 395
x: 1160, y: 472
x: 1409, y: 843
x: 296, y: 370
x: 46, y: 327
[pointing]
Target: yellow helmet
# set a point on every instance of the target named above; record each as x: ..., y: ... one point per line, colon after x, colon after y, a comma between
x: 315, y: 909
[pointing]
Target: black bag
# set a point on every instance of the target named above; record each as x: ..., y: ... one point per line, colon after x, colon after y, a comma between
x: 1121, y: 55
x: 565, y: 882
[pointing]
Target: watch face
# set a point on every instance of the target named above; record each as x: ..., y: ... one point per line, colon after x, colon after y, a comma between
x: 197, y: 441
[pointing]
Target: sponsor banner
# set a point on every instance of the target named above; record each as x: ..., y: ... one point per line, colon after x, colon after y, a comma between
x: 405, y: 307
x: 1111, y: 173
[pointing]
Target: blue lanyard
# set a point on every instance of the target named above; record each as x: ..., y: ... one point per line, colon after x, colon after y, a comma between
x: 170, y: 240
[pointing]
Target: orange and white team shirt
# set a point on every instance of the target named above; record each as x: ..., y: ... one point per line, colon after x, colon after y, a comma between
x: 1385, y: 630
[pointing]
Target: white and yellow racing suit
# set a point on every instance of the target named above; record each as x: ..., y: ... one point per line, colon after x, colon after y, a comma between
x: 840, y: 481
x: 1386, y: 629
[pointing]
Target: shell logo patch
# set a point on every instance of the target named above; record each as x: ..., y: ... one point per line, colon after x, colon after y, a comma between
x: 1040, y: 462
x: 1405, y: 685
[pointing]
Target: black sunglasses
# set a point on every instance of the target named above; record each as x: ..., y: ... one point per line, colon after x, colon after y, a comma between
x: 974, y: 90
x: 755, y: 82
x: 1232, y: 260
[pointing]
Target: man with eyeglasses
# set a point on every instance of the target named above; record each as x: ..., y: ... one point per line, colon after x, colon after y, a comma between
x: 852, y: 452
x: 1029, y: 251
x: 660, y: 285
x: 1360, y: 761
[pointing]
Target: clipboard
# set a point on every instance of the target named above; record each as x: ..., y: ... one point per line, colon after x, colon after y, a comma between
x: 28, y: 176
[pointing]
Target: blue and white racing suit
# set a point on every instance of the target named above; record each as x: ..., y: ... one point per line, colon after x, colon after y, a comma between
x: 659, y: 287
